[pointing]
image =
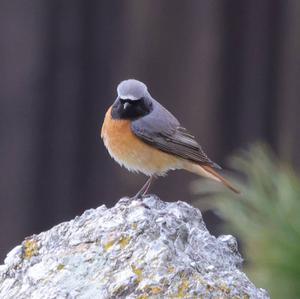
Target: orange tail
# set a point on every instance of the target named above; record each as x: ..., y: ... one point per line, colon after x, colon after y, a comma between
x: 222, y: 179
x: 208, y: 171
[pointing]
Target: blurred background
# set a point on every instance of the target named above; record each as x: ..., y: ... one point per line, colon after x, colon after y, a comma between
x: 229, y: 71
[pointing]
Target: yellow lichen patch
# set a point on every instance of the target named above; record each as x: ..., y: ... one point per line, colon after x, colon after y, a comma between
x: 30, y: 248
x: 60, y: 266
x: 152, y: 289
x: 124, y: 240
x: 246, y: 296
x: 155, y: 290
x: 138, y: 272
x: 143, y: 296
x: 134, y: 226
x: 224, y: 288
x: 108, y: 244
x: 182, y: 287
x: 170, y: 269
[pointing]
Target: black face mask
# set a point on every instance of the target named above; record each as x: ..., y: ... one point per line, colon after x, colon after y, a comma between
x: 130, y: 109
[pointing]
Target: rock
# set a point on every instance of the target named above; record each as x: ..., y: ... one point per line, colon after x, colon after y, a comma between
x: 137, y: 249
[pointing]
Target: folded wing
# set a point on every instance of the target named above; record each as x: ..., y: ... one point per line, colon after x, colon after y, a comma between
x: 163, y: 131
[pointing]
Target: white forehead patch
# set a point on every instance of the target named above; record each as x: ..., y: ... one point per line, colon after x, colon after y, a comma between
x: 128, y: 96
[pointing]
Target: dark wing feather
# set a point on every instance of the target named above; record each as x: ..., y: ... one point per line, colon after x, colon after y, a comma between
x: 163, y: 131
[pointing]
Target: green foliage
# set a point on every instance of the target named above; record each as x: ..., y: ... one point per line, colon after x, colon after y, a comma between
x: 265, y: 217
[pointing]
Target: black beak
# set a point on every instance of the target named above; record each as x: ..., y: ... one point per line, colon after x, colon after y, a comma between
x: 126, y: 104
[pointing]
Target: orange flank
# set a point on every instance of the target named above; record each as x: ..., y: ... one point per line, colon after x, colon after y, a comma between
x: 128, y: 150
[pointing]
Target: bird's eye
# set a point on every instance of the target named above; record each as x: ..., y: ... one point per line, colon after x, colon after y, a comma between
x: 132, y: 102
x: 123, y: 101
x: 138, y: 102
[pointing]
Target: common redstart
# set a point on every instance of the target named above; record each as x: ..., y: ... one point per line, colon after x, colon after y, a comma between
x: 142, y: 135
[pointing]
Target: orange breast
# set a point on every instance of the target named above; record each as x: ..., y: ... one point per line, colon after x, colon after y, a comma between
x: 128, y: 150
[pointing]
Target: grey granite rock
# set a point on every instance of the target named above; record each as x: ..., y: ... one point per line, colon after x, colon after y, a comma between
x: 137, y: 249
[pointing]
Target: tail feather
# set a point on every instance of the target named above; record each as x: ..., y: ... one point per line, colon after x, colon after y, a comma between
x: 222, y: 179
x: 208, y: 171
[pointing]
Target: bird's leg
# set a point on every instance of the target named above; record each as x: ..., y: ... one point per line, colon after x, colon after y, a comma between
x: 151, y: 179
x: 145, y: 188
x: 142, y: 190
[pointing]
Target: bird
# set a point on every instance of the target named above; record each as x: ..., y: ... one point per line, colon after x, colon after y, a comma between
x: 143, y: 136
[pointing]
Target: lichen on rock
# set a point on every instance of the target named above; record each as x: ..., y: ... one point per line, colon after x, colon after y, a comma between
x: 137, y: 249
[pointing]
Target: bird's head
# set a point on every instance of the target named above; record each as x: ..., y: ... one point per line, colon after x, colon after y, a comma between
x: 133, y: 101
